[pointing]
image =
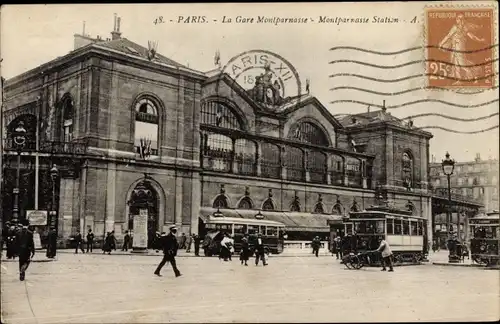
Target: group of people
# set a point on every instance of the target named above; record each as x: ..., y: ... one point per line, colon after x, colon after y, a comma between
x: 247, y: 250
x: 20, y: 244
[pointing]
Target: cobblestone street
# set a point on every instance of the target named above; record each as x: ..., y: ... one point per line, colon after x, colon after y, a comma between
x: 101, y: 288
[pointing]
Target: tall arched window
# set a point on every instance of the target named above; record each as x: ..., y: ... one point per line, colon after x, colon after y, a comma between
x: 245, y: 157
x: 307, y: 132
x: 268, y: 204
x: 270, y: 165
x: 294, y: 164
x: 316, y: 162
x: 353, y: 172
x: 407, y: 168
x: 146, y: 126
x: 245, y: 203
x: 219, y: 114
x: 67, y: 120
x: 221, y: 202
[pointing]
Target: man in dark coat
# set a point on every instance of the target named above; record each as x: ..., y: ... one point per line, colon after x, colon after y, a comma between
x: 126, y: 241
x: 26, y: 250
x: 78, y: 242
x: 51, y: 244
x: 11, y: 242
x: 170, y: 247
x: 197, y: 242
x: 316, y: 244
x: 90, y: 241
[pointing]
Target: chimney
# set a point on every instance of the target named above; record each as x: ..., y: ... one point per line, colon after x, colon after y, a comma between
x: 82, y: 40
x: 478, y: 157
x: 115, y: 34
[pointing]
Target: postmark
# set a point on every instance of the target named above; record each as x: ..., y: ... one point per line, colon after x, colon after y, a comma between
x: 460, y: 47
x: 269, y: 79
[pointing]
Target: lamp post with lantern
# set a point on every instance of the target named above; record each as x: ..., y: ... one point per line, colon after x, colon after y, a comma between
x: 448, y: 165
x: 19, y: 139
x: 54, y: 175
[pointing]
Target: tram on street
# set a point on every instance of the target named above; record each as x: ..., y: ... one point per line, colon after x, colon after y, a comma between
x: 485, y: 241
x: 212, y: 230
x: 406, y: 234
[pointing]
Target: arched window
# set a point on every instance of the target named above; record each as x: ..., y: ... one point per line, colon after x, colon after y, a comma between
x: 270, y: 165
x: 245, y: 203
x: 319, y: 209
x: 268, y: 204
x: 217, y: 151
x: 337, y: 209
x: 146, y: 127
x: 316, y: 162
x: 221, y: 202
x: 245, y: 157
x: 218, y: 114
x: 294, y: 164
x: 407, y: 170
x: 410, y: 207
x: 307, y: 132
x: 67, y: 120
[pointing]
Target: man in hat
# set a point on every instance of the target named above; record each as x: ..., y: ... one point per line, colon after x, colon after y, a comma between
x: 316, y: 244
x: 26, y: 249
x: 170, y: 247
x: 260, y: 250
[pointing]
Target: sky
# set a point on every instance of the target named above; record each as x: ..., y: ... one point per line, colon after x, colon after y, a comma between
x: 44, y: 32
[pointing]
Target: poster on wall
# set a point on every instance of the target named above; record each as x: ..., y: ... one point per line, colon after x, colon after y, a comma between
x: 37, y: 241
x: 37, y: 217
x: 141, y: 230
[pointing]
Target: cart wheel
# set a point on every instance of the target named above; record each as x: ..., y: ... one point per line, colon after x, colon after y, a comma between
x: 355, y: 263
x: 398, y: 259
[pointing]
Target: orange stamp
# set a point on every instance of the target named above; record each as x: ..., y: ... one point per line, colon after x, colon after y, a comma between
x: 460, y: 47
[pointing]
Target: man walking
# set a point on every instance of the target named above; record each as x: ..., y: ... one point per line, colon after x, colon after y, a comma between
x: 189, y: 242
x: 260, y: 251
x: 316, y: 244
x: 78, y: 242
x: 386, y: 251
x: 26, y: 249
x: 90, y: 241
x: 126, y: 241
x: 51, y: 244
x: 170, y: 247
x: 197, y: 242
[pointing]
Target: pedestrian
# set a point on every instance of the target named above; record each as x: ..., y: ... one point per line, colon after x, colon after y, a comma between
x: 189, y: 242
x: 170, y: 247
x: 182, y: 241
x: 260, y: 251
x: 316, y: 244
x: 26, y: 249
x: 197, y: 242
x: 90, y: 241
x: 51, y: 243
x: 226, y: 247
x: 113, y: 240
x: 207, y: 243
x: 245, y: 250
x: 78, y: 242
x: 386, y: 251
x: 107, y: 243
x: 126, y: 241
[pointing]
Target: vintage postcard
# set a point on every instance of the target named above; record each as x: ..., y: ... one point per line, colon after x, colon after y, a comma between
x: 249, y: 162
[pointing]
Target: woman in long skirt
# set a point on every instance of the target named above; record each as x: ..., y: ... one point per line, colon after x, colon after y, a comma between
x: 245, y: 250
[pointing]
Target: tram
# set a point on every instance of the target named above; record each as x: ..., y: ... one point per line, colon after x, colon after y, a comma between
x: 405, y: 233
x: 485, y: 241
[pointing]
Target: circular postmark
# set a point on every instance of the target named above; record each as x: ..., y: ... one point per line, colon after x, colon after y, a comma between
x: 269, y: 79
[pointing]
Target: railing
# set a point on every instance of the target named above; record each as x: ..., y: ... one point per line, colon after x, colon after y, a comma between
x: 443, y: 193
x: 73, y: 148
x: 401, y: 185
x: 303, y: 247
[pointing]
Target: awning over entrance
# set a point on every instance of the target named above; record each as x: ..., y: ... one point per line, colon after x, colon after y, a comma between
x: 294, y: 221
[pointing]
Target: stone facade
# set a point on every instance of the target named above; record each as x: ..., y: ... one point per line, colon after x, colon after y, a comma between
x: 104, y: 87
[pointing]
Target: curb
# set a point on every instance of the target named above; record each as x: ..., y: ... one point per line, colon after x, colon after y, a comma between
x: 36, y: 261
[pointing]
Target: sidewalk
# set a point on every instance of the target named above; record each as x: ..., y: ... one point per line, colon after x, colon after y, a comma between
x: 440, y: 258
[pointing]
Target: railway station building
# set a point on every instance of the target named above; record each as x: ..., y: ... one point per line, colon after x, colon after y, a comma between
x: 126, y: 127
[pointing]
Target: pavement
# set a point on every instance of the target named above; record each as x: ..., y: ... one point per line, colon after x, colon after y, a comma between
x: 97, y: 288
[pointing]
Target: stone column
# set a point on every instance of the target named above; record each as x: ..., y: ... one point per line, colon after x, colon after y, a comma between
x: 65, y: 223
x: 195, y: 202
x: 389, y: 158
x: 365, y: 183
x: 110, y: 197
x: 178, y: 200
x: 259, y: 160
x: 283, y: 164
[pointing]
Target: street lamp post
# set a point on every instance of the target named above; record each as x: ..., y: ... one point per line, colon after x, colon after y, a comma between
x: 448, y: 168
x: 19, y: 138
x: 54, y: 175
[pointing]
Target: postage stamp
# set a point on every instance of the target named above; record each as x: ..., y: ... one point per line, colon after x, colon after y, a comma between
x: 268, y: 78
x: 460, y: 46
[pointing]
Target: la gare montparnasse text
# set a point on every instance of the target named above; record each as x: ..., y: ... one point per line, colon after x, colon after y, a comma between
x: 302, y: 20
